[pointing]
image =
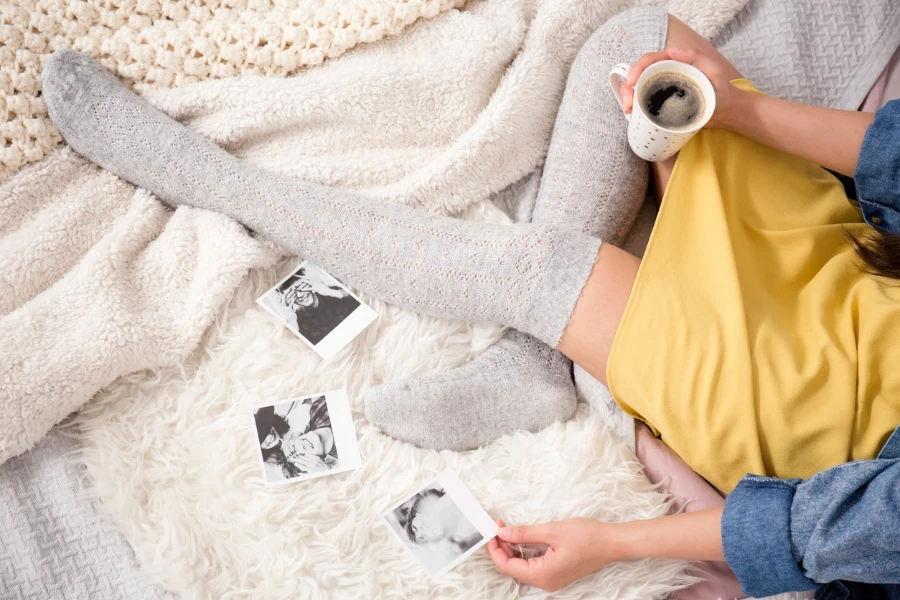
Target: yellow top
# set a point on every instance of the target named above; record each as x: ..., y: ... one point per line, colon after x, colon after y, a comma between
x: 752, y: 342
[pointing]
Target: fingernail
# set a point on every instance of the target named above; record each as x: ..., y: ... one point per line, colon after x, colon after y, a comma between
x: 503, y: 532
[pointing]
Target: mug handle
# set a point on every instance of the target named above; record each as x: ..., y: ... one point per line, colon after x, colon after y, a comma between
x: 617, y: 75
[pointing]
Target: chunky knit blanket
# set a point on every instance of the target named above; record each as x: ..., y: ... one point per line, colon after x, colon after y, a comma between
x: 451, y: 111
x: 161, y: 43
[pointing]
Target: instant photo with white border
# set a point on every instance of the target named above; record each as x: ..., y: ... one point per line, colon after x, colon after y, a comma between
x: 345, y: 444
x: 434, y: 555
x: 318, y: 300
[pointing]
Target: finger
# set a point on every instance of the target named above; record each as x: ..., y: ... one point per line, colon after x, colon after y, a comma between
x: 709, y: 66
x: 499, y: 557
x: 627, y: 98
x: 644, y: 62
x: 517, y: 568
x: 492, y: 546
x: 524, y: 534
x: 503, y: 545
x: 506, y: 548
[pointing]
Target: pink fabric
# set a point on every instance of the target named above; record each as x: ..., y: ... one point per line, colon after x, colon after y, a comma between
x: 875, y: 96
x: 691, y: 492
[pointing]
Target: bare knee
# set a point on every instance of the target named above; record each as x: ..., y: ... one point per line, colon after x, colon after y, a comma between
x: 587, y: 339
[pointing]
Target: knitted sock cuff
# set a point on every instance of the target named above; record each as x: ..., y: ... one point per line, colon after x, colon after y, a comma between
x: 568, y: 262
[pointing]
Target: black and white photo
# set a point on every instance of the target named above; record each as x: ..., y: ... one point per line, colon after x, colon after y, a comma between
x: 306, y: 437
x: 317, y: 308
x: 441, y: 524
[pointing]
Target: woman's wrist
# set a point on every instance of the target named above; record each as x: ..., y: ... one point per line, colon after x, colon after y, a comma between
x: 627, y: 540
x: 741, y: 112
x: 612, y: 542
x: 619, y: 541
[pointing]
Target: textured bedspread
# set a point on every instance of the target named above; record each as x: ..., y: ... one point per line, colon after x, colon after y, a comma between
x: 56, y: 541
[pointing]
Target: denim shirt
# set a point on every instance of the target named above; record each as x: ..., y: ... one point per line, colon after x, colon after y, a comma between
x: 877, y: 174
x: 836, y: 528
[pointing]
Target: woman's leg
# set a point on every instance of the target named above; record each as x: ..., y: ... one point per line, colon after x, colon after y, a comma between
x: 588, y: 339
x: 524, y: 276
x: 592, y: 183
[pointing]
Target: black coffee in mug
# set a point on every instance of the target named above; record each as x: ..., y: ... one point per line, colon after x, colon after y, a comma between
x: 672, y: 101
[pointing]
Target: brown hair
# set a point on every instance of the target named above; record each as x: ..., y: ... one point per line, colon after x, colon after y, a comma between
x: 879, y: 252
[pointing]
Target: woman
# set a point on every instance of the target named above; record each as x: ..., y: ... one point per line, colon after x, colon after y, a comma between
x: 299, y: 441
x: 431, y: 517
x: 316, y: 307
x: 789, y: 309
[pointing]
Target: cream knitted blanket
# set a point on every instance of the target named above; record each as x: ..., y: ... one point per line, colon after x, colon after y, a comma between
x: 161, y: 43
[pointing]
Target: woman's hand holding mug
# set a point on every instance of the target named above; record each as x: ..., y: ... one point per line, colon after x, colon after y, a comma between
x: 710, y: 67
x: 702, y: 96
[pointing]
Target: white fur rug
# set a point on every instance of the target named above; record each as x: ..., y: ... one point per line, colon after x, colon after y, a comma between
x: 173, y: 457
x: 456, y: 108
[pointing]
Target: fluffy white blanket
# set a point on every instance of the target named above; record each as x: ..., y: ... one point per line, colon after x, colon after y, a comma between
x: 453, y: 110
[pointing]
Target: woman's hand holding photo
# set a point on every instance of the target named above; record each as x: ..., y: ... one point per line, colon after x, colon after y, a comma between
x: 578, y: 547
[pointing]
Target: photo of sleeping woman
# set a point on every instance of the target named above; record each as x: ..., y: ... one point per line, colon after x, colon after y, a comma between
x: 434, y: 528
x: 296, y: 439
x: 314, y: 302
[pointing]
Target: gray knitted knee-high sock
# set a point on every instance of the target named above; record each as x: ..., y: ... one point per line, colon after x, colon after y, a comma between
x: 527, y: 276
x: 591, y: 182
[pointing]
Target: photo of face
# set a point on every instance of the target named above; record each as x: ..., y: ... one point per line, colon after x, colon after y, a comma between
x: 272, y: 439
x: 423, y: 527
x: 304, y: 288
x: 313, y: 304
x: 305, y: 437
x: 318, y: 309
x: 296, y: 438
x: 432, y: 517
x: 441, y: 524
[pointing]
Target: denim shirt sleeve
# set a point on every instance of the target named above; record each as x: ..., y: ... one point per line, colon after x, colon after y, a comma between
x: 792, y: 535
x: 878, y: 170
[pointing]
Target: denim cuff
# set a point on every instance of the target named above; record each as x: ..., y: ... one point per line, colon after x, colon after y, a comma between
x: 756, y: 537
x: 878, y: 169
x: 891, y: 448
x: 880, y: 217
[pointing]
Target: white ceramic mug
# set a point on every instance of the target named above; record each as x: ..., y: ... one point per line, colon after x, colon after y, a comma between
x: 648, y: 140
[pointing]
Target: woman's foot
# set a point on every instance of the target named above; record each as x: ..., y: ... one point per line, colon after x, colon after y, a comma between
x: 517, y: 384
